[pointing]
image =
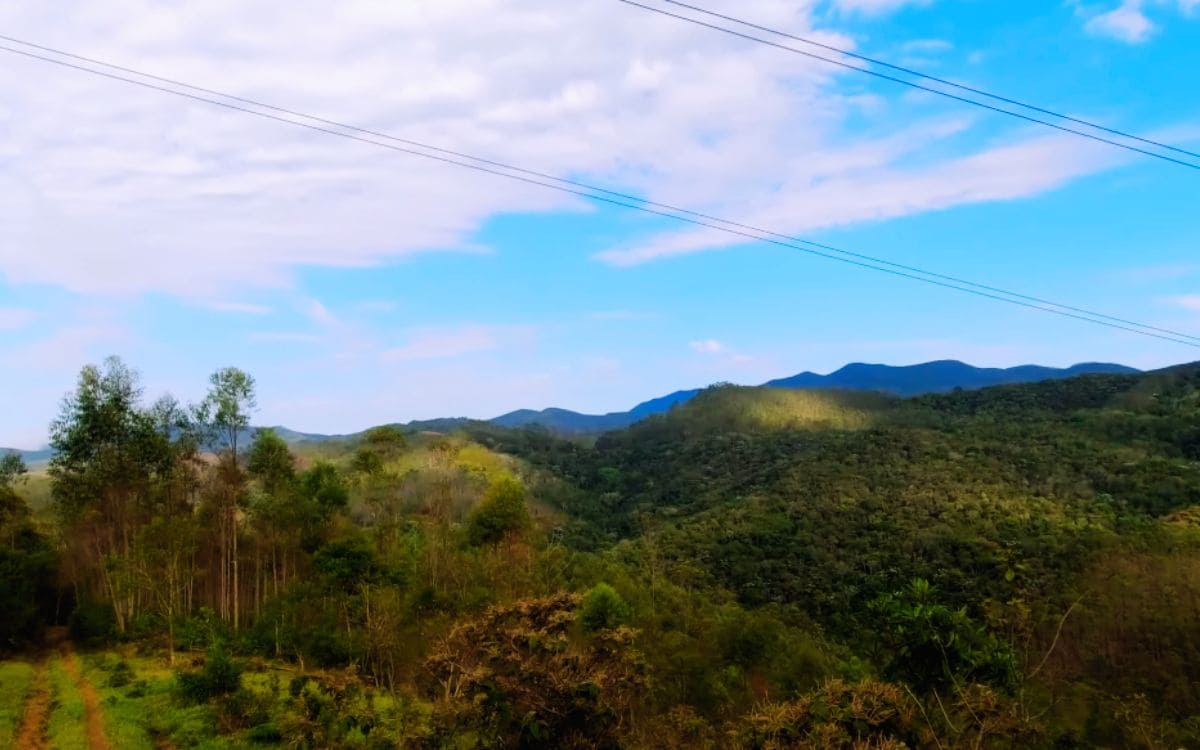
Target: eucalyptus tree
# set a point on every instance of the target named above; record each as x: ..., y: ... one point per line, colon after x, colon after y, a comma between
x: 224, y: 415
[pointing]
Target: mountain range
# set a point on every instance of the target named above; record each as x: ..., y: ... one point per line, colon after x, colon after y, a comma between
x: 910, y: 380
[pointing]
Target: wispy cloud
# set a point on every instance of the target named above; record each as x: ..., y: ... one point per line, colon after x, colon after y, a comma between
x: 1189, y: 302
x: 376, y: 306
x: 240, y: 307
x: 1159, y: 272
x: 276, y: 337
x: 319, y: 313
x: 432, y: 343
x: 883, y: 190
x: 708, y: 346
x: 1127, y: 23
x: 15, y: 318
x: 876, y: 7
x: 926, y: 46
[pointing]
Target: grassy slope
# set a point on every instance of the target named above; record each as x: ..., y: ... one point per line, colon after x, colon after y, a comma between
x: 16, y: 677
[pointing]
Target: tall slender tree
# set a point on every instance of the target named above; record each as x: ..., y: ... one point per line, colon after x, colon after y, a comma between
x: 226, y: 414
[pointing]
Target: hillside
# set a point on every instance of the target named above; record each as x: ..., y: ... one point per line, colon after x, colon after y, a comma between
x: 931, y: 377
x: 1010, y: 567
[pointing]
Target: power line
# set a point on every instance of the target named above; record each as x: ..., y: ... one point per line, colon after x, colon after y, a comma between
x: 586, y: 186
x: 632, y: 202
x: 935, y: 79
x: 920, y: 87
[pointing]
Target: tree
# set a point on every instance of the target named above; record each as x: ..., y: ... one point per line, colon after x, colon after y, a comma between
x: 226, y: 414
x: 514, y: 675
x: 106, y: 473
x: 501, y: 512
x: 13, y: 509
x: 271, y: 462
x: 227, y: 408
x: 12, y: 468
x: 603, y: 608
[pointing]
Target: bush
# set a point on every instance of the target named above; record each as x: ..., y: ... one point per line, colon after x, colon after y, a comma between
x: 501, y: 512
x: 603, y: 608
x: 121, y: 675
x: 92, y: 624
x: 219, y: 676
x: 267, y: 734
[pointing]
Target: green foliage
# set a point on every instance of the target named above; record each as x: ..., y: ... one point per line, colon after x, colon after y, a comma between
x: 345, y: 563
x: 1018, y: 563
x: 16, y: 682
x: 603, y: 609
x: 226, y: 409
x: 931, y: 646
x: 120, y: 675
x: 27, y: 584
x: 270, y: 461
x: 502, y: 512
x: 12, y: 468
x: 220, y: 675
x: 324, y: 486
x: 92, y: 623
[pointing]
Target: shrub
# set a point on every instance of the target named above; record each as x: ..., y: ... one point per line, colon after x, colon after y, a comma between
x: 501, y: 512
x: 92, y: 624
x: 603, y: 608
x: 267, y: 734
x: 220, y: 675
x: 121, y: 675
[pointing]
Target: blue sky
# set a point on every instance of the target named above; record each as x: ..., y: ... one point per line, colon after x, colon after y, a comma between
x: 361, y: 286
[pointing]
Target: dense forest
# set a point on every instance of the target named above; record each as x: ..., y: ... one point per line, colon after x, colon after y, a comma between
x: 1013, y: 567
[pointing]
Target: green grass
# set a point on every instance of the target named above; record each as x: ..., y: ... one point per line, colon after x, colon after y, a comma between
x: 16, y: 679
x: 68, y: 717
x: 147, y: 707
x: 128, y: 709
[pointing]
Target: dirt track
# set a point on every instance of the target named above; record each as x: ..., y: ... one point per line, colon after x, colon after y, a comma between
x: 36, y: 715
x: 91, y: 700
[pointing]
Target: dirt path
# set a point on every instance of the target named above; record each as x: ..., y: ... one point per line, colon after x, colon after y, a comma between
x: 91, y: 700
x: 35, y: 717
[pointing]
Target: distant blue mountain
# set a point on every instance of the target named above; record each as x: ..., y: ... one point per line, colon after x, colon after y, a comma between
x: 938, y: 377
x: 911, y: 380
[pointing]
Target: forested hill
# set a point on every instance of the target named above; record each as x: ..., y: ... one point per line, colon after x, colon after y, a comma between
x: 912, y: 380
x: 931, y: 377
x: 1011, y: 567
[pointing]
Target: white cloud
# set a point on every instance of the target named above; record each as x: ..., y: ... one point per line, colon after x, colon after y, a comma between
x: 876, y: 7
x: 284, y: 337
x: 109, y: 188
x: 1126, y: 22
x: 1189, y: 302
x: 1157, y: 272
x: 15, y: 318
x: 69, y: 347
x: 319, y: 313
x: 816, y: 199
x: 240, y: 307
x: 708, y: 346
x: 927, y: 46
x: 449, y: 342
x: 376, y: 306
